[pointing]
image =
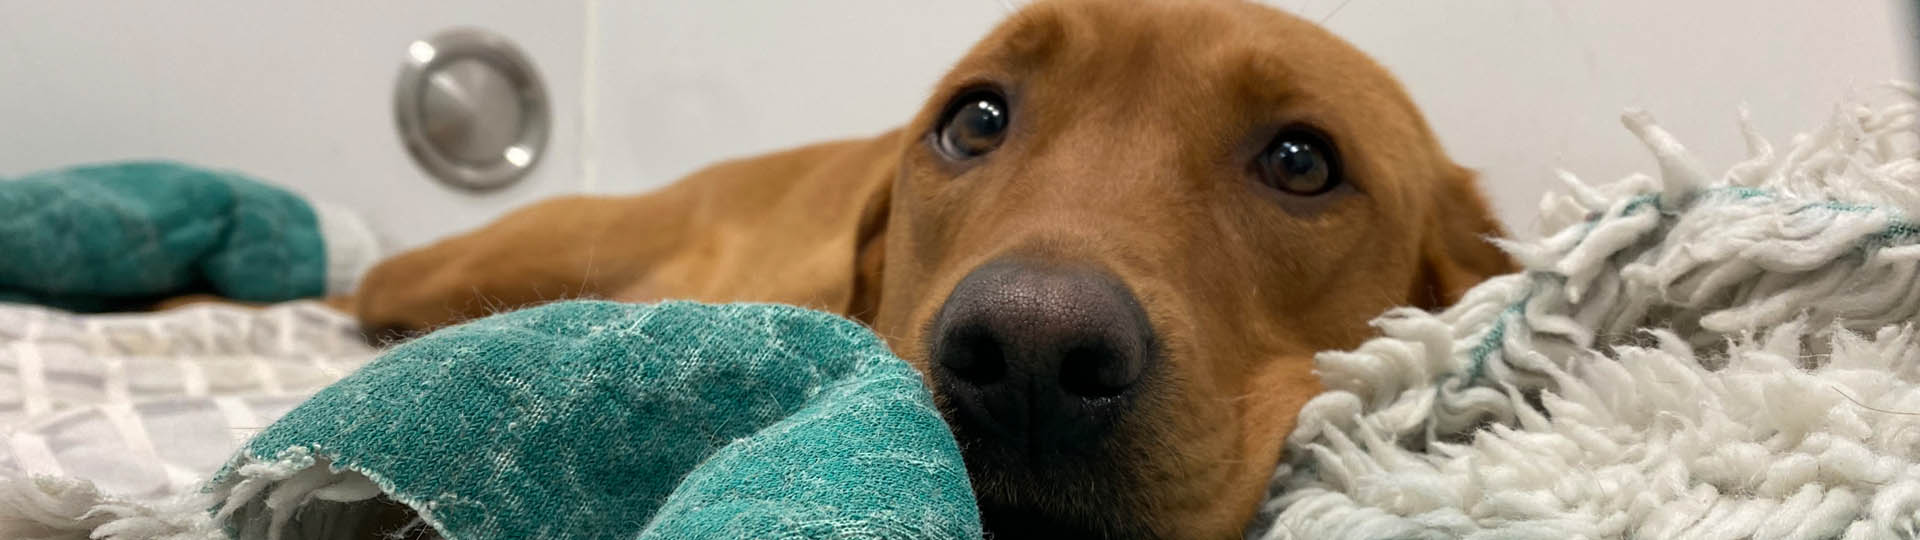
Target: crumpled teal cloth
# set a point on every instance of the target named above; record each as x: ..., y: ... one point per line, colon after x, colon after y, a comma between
x: 120, y: 235
x: 592, y: 419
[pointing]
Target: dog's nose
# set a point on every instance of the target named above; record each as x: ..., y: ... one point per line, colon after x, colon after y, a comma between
x: 1041, y: 354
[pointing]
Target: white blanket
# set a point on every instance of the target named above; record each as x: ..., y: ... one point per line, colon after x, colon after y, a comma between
x: 1686, y: 356
x: 147, y: 405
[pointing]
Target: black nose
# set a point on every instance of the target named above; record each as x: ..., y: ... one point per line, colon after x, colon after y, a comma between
x: 1041, y: 356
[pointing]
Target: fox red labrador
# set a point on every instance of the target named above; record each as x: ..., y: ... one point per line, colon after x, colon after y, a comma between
x: 1112, y: 241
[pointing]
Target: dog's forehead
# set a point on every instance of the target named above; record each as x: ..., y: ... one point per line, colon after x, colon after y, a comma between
x: 1236, y: 45
x: 1169, y: 75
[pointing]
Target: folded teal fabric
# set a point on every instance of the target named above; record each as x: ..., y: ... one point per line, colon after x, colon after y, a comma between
x: 116, y: 236
x: 592, y: 419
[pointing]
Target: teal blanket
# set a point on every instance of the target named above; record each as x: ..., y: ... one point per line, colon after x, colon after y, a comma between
x: 120, y: 236
x: 596, y: 419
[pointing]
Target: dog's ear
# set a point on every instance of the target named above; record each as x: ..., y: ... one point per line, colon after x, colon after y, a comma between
x: 870, y: 251
x: 804, y: 227
x: 1456, y: 251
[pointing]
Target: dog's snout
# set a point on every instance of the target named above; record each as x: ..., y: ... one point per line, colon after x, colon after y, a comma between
x: 1041, y: 354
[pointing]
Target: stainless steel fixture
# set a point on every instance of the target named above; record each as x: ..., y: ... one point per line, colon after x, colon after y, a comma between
x: 471, y: 109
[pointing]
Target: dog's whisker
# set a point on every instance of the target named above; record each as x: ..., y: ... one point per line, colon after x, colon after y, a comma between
x: 593, y: 249
x: 1336, y: 11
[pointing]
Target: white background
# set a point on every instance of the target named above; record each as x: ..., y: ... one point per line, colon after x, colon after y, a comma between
x: 646, y: 91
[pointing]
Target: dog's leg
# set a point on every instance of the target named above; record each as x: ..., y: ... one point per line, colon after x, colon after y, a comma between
x: 785, y: 227
x: 575, y: 247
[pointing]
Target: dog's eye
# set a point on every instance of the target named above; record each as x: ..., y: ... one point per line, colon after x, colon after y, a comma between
x: 974, y: 125
x: 1298, y: 162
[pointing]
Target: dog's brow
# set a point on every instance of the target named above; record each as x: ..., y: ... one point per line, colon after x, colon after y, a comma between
x: 1261, y: 75
x: 1030, y: 36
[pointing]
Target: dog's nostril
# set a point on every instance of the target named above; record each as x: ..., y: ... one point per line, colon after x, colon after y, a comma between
x: 1097, y: 371
x: 977, y: 357
x: 1040, y: 357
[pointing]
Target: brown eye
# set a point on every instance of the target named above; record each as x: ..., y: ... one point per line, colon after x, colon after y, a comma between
x: 1298, y: 162
x: 973, y: 126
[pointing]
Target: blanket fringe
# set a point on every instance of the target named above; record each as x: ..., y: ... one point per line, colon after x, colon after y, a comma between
x: 50, y: 508
x: 1684, y: 357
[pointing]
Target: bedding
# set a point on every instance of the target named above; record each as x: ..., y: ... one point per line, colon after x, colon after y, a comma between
x: 580, y: 419
x: 1688, y: 356
x: 120, y: 236
x: 594, y: 419
x: 145, y: 405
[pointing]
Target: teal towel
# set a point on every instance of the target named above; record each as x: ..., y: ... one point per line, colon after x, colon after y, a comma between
x: 117, y: 236
x: 594, y: 419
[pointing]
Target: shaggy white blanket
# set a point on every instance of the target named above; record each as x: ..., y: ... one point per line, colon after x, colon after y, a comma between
x: 1685, y: 358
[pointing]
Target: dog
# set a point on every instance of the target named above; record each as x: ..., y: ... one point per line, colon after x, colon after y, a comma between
x: 1111, y: 241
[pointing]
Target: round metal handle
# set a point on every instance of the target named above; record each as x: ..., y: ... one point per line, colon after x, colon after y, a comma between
x: 471, y: 109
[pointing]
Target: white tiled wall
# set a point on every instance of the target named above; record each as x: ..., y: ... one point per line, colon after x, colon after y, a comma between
x: 647, y: 90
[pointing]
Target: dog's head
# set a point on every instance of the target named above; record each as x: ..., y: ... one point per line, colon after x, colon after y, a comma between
x: 1120, y: 231
x: 1112, y: 241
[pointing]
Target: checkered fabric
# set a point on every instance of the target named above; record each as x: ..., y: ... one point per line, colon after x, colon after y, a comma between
x: 147, y: 405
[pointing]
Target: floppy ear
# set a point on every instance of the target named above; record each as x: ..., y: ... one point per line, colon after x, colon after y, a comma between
x: 1455, y: 251
x: 870, y: 253
x: 802, y: 227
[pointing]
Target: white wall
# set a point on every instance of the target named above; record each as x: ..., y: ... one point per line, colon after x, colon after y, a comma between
x: 684, y: 83
x: 1517, y: 89
x: 298, y: 93
x: 648, y: 90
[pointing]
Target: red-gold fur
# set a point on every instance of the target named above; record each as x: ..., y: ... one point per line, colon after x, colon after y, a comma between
x: 1131, y: 128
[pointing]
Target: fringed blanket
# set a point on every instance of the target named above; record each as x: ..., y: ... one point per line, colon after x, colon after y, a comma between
x: 1689, y: 356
